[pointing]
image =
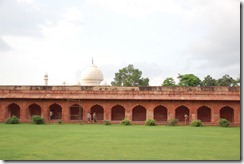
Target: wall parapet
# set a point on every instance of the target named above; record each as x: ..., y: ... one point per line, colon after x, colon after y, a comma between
x: 123, y: 93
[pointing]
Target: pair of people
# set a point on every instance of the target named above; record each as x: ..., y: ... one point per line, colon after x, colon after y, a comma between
x: 89, y: 117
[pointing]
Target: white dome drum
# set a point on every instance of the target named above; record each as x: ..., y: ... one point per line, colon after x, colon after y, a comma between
x: 91, y: 76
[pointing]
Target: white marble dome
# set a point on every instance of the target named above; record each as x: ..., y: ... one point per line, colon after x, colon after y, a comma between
x: 91, y: 76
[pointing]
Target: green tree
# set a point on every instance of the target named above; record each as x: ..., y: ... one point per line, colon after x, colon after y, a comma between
x: 226, y: 80
x: 209, y: 81
x: 169, y: 82
x: 188, y: 80
x: 129, y: 76
x: 238, y: 81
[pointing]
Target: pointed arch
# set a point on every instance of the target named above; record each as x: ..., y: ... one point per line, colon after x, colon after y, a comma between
x: 99, y: 110
x: 160, y: 113
x: 76, y: 112
x: 56, y: 111
x: 34, y: 109
x: 139, y: 113
x: 14, y: 110
x: 227, y: 113
x: 117, y: 113
x: 180, y: 112
x: 204, y: 114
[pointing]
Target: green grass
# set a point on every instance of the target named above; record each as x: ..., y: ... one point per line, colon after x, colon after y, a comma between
x: 117, y: 142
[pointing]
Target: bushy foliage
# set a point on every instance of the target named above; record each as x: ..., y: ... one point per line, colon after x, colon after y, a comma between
x: 60, y: 122
x: 12, y: 120
x: 223, y: 122
x: 129, y: 76
x: 37, y: 119
x: 107, y: 122
x: 172, y: 122
x: 188, y: 80
x: 150, y: 122
x: 169, y: 82
x: 196, y: 123
x: 125, y: 122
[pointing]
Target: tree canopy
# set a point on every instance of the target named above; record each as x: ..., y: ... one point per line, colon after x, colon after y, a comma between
x: 169, y: 82
x: 129, y: 76
x: 192, y: 80
x: 188, y: 80
x: 226, y: 80
x: 209, y: 81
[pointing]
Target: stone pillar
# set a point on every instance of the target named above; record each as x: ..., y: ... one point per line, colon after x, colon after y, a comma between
x: 65, y: 111
x: 215, y: 115
x: 107, y: 112
x: 128, y: 112
x: 23, y: 112
x: 1, y: 112
x: 45, y: 111
x: 86, y: 109
x: 236, y: 115
x: 149, y: 114
x: 171, y: 113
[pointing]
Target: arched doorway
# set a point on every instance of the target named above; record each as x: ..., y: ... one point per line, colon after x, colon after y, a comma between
x: 76, y: 112
x: 56, y: 111
x: 227, y: 113
x: 204, y: 114
x: 160, y: 113
x: 98, y: 109
x: 139, y: 113
x: 118, y: 113
x: 180, y: 113
x: 34, y: 109
x: 14, y: 110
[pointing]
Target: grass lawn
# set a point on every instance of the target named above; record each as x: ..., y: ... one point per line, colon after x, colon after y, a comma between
x: 117, y: 142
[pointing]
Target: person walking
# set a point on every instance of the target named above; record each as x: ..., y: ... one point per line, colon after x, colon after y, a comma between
x: 94, y: 117
x: 89, y: 118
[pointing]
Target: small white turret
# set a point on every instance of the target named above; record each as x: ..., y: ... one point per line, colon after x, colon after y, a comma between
x: 46, y: 79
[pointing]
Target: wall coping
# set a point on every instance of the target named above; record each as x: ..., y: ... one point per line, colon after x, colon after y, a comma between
x: 220, y: 93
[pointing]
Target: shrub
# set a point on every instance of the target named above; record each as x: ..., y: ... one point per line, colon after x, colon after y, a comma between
x: 223, y: 122
x: 107, y: 122
x: 60, y: 122
x: 125, y: 122
x: 172, y: 122
x: 37, y: 119
x: 196, y: 123
x: 12, y: 120
x: 150, y: 122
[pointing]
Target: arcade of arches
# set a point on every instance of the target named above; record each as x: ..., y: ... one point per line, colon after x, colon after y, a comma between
x: 72, y: 112
x: 73, y: 103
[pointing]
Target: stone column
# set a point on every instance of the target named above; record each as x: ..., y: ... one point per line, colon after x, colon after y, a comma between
x: 86, y: 109
x: 45, y: 111
x: 149, y: 114
x: 65, y: 111
x: 215, y: 114
x: 23, y: 112
x: 107, y: 112
x: 128, y: 112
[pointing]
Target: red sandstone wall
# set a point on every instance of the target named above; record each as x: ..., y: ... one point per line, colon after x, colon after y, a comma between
x: 214, y: 98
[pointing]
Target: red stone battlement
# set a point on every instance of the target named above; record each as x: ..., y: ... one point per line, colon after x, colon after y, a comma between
x: 121, y: 93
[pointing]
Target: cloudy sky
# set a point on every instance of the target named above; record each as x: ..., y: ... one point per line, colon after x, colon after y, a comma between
x: 160, y: 37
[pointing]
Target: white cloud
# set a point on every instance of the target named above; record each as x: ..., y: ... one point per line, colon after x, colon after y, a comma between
x: 160, y: 37
x: 220, y: 43
x: 25, y: 1
x: 140, y: 8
